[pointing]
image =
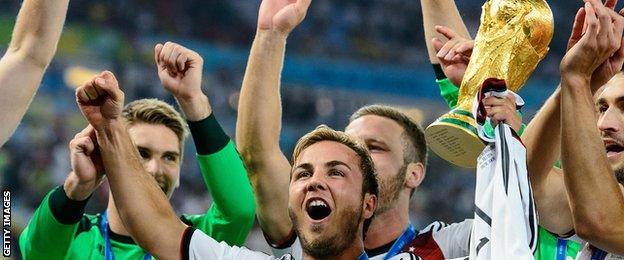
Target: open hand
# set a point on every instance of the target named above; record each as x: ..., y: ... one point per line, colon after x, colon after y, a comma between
x: 595, y: 49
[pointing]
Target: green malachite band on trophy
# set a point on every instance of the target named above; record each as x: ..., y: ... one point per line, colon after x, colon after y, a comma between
x: 463, y: 113
x: 460, y: 123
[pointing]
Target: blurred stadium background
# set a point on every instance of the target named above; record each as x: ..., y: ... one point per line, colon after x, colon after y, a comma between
x: 346, y: 54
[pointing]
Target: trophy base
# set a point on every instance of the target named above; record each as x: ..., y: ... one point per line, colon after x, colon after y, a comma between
x: 455, y: 141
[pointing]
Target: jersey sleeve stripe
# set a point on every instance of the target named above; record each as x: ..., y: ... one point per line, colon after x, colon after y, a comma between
x: 185, y: 243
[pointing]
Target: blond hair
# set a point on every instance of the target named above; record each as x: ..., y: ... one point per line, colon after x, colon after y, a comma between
x: 154, y: 111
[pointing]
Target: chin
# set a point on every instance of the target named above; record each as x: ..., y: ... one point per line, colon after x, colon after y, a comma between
x: 316, y: 228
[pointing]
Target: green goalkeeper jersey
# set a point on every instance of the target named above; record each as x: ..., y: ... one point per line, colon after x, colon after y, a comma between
x: 59, y: 229
x: 549, y: 246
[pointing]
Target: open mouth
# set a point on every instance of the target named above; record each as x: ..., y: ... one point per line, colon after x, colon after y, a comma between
x: 318, y: 209
x: 613, y: 149
x: 163, y: 186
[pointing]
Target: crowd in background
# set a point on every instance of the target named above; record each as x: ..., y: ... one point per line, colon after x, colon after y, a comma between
x: 36, y: 159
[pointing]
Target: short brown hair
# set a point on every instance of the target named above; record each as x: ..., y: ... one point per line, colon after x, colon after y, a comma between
x: 324, y: 133
x: 417, y: 151
x: 154, y: 111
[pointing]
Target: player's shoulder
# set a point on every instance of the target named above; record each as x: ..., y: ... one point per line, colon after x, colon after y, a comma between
x: 447, y: 240
x: 438, y: 226
x: 433, y: 227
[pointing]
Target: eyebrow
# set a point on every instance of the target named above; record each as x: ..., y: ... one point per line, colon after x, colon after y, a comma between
x: 174, y: 153
x: 375, y: 141
x: 336, y: 163
x: 602, y: 100
x: 305, y: 166
x: 309, y: 167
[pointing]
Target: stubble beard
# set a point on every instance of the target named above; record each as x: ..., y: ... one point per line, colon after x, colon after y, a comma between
x: 619, y: 175
x: 324, y: 247
x: 390, y: 191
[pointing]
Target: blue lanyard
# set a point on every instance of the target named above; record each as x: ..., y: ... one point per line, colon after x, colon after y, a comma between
x: 598, y: 254
x: 408, y: 235
x: 363, y: 256
x: 108, y: 249
x: 562, y: 247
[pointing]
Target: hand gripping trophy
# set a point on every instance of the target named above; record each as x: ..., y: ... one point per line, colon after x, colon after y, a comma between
x: 513, y: 37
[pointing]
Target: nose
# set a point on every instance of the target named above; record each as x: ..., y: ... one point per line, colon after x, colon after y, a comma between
x: 153, y: 166
x: 316, y: 183
x: 610, y: 121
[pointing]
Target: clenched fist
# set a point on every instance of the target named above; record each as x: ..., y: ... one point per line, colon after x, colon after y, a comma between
x: 100, y: 100
x: 180, y: 72
x: 87, y: 171
x: 179, y: 69
x: 503, y: 110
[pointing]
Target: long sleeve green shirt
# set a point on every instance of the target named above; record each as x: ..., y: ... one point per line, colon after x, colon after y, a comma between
x: 59, y: 229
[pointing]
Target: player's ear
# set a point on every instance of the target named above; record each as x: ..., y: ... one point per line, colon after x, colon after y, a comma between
x: 369, y: 205
x: 414, y: 174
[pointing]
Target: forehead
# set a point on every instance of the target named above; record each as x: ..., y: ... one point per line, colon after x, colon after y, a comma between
x: 155, y: 137
x: 613, y: 90
x: 375, y: 127
x: 323, y: 152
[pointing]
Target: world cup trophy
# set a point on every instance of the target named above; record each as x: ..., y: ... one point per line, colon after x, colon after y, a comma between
x: 513, y: 37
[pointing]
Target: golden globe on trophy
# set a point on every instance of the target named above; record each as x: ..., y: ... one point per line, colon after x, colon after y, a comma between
x: 513, y: 37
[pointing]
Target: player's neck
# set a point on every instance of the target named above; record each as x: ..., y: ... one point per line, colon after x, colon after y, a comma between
x: 387, y: 226
x: 114, y: 221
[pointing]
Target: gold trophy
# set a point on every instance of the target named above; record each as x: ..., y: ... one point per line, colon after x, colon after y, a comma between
x: 513, y: 37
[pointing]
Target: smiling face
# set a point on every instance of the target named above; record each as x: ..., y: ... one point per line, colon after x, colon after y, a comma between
x: 327, y: 204
x: 159, y: 148
x: 610, y: 113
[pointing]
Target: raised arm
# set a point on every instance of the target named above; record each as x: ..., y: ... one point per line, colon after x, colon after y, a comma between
x: 260, y: 114
x: 440, y: 13
x: 448, y: 43
x: 596, y: 198
x: 232, y: 213
x: 33, y: 44
x: 543, y: 141
x: 142, y: 205
x: 449, y: 46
